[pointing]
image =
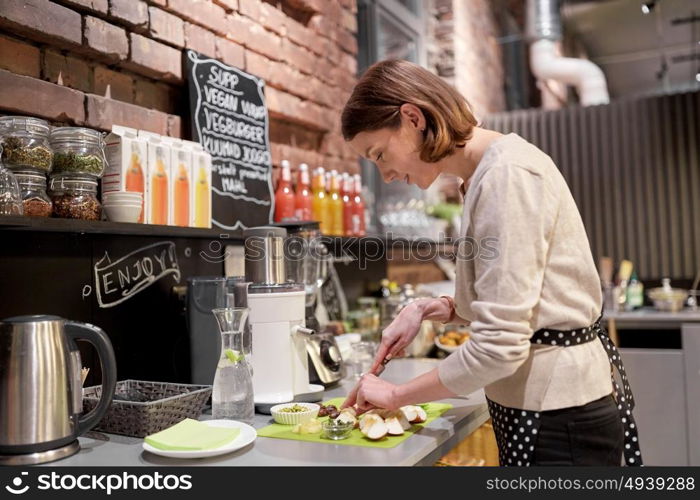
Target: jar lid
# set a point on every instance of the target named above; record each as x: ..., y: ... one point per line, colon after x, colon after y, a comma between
x: 82, y: 134
x: 29, y: 175
x: 27, y: 123
x: 72, y: 180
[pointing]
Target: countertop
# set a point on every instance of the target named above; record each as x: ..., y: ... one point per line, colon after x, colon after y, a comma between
x: 423, y: 448
x: 648, y: 317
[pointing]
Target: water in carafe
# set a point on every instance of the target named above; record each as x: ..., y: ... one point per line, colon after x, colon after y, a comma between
x: 232, y: 394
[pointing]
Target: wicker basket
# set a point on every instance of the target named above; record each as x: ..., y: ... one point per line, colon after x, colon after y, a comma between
x: 140, y: 408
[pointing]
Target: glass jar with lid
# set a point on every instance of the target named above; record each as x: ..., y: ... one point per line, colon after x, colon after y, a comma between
x: 32, y: 187
x: 78, y: 150
x: 10, y: 200
x: 74, y: 196
x: 25, y: 143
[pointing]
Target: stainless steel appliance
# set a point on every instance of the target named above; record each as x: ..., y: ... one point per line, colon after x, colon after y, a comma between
x: 41, y: 387
x: 308, y: 261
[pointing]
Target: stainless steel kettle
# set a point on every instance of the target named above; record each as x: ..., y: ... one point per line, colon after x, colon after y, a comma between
x: 41, y: 387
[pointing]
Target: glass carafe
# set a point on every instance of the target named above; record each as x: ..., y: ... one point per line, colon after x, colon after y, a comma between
x: 232, y: 395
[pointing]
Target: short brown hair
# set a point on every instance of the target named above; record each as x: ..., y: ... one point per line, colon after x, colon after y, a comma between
x: 376, y: 99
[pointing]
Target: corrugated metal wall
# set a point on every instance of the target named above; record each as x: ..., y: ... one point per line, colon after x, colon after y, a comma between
x: 633, y: 167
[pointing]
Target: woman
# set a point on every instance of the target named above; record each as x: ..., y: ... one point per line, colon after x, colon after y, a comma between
x: 536, y: 343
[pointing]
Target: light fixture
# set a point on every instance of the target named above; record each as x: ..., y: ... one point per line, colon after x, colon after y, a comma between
x: 647, y: 7
x: 697, y: 76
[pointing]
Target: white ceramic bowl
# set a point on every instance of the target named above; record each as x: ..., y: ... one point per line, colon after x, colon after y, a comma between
x: 122, y: 212
x: 287, y: 418
x: 122, y: 197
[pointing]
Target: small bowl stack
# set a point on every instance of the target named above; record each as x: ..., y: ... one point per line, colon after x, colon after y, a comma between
x: 122, y: 206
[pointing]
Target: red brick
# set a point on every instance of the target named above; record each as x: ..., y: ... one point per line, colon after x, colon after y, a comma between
x: 308, y: 5
x: 347, y: 41
x: 282, y: 105
x: 102, y: 113
x: 333, y: 54
x: 119, y: 86
x: 323, y: 26
x: 153, y: 95
x: 93, y: 5
x: 174, y: 126
x: 239, y: 29
x: 230, y: 52
x: 19, y: 57
x: 159, y: 2
x: 299, y: 57
x: 166, y: 27
x: 299, y: 34
x: 250, y: 8
x: 259, y: 65
x: 131, y: 12
x: 273, y: 19
x: 333, y: 11
x: 42, y: 20
x: 31, y: 96
x: 349, y: 21
x: 349, y: 62
x: 264, y: 42
x: 199, y: 39
x: 155, y: 59
x: 227, y: 5
x: 202, y: 12
x: 107, y: 40
x: 66, y: 70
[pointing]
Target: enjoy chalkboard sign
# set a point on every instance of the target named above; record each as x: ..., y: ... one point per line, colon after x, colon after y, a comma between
x: 229, y: 118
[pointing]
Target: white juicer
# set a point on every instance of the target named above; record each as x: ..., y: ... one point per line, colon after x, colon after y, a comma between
x: 277, y: 320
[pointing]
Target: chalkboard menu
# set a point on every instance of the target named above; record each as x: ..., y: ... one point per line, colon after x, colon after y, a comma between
x: 229, y: 118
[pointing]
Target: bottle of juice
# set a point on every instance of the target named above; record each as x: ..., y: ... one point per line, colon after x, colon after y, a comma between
x: 181, y: 196
x: 347, y: 194
x: 303, y: 199
x: 284, y: 196
x: 201, y: 196
x: 159, y: 191
x: 358, y: 216
x: 336, y: 205
x: 134, y: 177
x: 319, y: 205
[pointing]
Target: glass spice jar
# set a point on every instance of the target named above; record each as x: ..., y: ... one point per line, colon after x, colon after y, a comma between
x: 78, y: 150
x: 25, y: 143
x: 32, y: 187
x: 74, y: 196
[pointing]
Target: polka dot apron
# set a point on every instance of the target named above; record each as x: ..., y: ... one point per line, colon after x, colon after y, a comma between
x: 516, y: 430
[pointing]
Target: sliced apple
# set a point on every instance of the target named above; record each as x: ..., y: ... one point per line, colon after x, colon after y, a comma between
x: 368, y: 418
x: 421, y: 415
x: 393, y: 426
x: 409, y: 412
x: 375, y: 429
x: 347, y: 417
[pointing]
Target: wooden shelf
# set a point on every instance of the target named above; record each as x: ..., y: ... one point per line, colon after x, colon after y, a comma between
x: 45, y: 224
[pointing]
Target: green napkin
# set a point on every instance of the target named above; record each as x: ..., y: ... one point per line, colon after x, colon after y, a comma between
x: 192, y: 435
x: 279, y: 431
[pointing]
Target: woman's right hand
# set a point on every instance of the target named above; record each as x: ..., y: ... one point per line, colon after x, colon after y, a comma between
x: 400, y: 333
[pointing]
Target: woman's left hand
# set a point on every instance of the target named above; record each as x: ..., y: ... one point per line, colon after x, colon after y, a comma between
x: 373, y: 392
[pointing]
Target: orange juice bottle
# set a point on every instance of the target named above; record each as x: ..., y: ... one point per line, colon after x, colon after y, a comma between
x: 319, y: 206
x: 335, y: 202
x: 201, y: 196
x: 181, y: 196
x: 159, y: 191
x: 134, y: 177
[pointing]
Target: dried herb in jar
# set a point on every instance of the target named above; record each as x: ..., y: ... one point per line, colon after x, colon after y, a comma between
x: 15, y: 152
x: 79, y: 163
x: 36, y: 207
x: 71, y: 206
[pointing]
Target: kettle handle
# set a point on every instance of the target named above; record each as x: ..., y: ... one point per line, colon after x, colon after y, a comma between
x: 98, y: 338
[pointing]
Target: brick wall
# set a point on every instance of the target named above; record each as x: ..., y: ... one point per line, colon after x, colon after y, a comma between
x: 102, y: 62
x: 465, y: 51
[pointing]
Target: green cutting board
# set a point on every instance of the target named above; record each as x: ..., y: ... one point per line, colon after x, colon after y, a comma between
x: 279, y: 431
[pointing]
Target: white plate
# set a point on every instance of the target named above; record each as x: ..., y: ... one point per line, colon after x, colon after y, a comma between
x: 244, y: 438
